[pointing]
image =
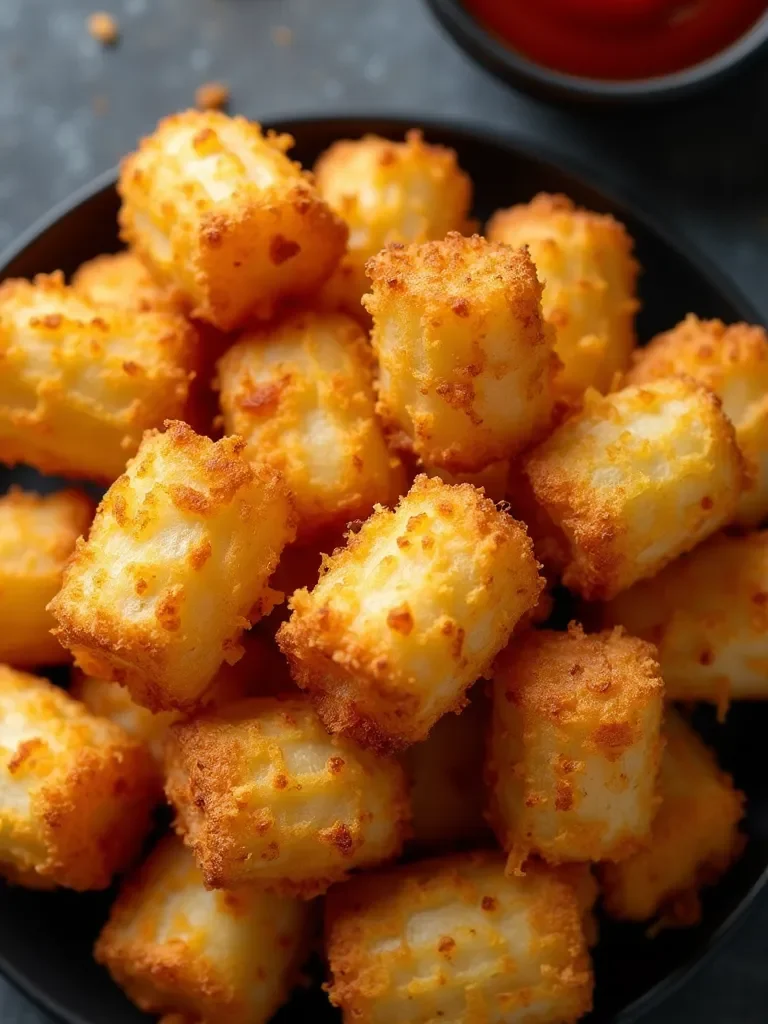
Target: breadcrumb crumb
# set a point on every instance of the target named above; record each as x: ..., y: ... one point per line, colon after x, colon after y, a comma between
x: 281, y: 35
x: 103, y: 28
x: 212, y: 96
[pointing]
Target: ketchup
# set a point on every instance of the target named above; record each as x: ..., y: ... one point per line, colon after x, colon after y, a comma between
x: 618, y: 39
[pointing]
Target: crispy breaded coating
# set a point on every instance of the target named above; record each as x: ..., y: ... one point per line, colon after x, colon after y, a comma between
x: 636, y: 479
x: 175, y: 567
x: 733, y: 362
x: 265, y: 796
x: 584, y: 260
x: 550, y: 545
x: 707, y: 613
x: 385, y: 192
x: 582, y: 880
x: 466, y: 364
x: 81, y: 382
x: 300, y: 391
x: 76, y: 791
x: 121, y: 280
x: 455, y: 939
x: 446, y: 777
x: 407, y: 616
x: 695, y: 836
x: 191, y: 955
x: 575, y: 745
x: 37, y: 536
x: 221, y: 214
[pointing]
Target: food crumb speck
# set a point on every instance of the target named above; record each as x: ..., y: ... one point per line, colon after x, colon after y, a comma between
x: 104, y: 28
x: 212, y: 96
x: 282, y: 35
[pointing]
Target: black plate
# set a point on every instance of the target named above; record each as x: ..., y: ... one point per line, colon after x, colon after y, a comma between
x: 45, y: 939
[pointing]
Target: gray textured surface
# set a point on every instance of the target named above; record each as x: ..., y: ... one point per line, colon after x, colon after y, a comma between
x: 69, y: 108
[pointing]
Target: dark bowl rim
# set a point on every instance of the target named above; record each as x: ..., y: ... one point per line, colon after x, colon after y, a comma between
x: 509, y: 64
x: 517, y: 144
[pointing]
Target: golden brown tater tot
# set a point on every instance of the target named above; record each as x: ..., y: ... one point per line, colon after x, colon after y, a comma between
x: 388, y: 192
x: 634, y: 480
x: 466, y: 364
x: 407, y: 616
x: 175, y: 567
x: 575, y: 745
x: 265, y: 796
x: 300, y: 391
x: 584, y: 260
x: 732, y: 362
x: 37, y: 535
x: 76, y: 791
x: 456, y: 939
x: 225, y: 218
x: 694, y: 840
x: 81, y: 382
x: 178, y: 950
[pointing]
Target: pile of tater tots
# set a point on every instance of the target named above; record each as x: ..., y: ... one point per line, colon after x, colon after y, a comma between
x: 356, y: 453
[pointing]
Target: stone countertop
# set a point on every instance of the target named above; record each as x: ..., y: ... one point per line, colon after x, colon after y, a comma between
x: 70, y: 108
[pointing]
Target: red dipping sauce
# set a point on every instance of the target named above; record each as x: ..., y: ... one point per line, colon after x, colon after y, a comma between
x: 618, y: 39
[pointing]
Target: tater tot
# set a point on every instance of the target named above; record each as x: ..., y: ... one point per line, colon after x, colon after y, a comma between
x: 188, y: 954
x: 733, y: 362
x: 224, y: 217
x: 454, y: 939
x: 37, y: 536
x: 388, y: 192
x: 75, y: 790
x: 81, y: 382
x: 446, y: 776
x: 695, y: 836
x: 111, y: 700
x: 258, y: 672
x: 575, y: 745
x: 584, y: 261
x: 121, y: 280
x: 300, y: 392
x: 466, y: 364
x: 407, y: 616
x: 707, y: 613
x: 636, y: 479
x: 265, y: 796
x: 175, y: 566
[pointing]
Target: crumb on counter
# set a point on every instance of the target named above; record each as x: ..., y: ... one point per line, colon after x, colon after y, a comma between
x: 212, y: 96
x: 100, y: 105
x: 282, y: 35
x: 104, y: 28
